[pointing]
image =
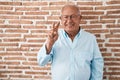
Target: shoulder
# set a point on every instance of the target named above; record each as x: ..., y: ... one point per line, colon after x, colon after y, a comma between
x: 87, y: 34
x: 61, y: 32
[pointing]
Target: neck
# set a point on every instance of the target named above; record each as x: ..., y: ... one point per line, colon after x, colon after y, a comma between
x: 72, y: 34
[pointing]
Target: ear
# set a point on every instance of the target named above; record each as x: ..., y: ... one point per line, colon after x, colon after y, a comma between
x: 80, y: 17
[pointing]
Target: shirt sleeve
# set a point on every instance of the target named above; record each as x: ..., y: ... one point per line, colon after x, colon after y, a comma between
x: 42, y: 57
x: 97, y: 63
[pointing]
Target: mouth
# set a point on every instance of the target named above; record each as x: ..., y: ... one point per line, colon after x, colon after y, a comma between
x: 70, y: 25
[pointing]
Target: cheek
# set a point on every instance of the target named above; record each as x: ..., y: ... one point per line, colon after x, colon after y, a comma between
x: 63, y: 23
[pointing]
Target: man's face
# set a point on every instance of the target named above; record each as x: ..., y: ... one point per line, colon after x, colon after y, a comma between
x: 70, y: 19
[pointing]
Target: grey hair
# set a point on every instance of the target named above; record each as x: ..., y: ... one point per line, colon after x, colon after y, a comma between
x: 71, y: 5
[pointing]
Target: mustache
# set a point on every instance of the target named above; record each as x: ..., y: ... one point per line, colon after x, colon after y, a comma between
x: 65, y: 22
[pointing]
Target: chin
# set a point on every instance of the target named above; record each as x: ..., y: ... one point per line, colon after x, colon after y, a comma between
x: 69, y: 30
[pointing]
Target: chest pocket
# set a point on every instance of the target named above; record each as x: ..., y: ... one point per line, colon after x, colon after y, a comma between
x: 84, y: 57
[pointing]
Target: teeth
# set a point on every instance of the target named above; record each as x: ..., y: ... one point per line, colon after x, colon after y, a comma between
x: 70, y: 24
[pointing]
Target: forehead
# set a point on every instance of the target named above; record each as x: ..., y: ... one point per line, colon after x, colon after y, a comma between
x: 70, y: 9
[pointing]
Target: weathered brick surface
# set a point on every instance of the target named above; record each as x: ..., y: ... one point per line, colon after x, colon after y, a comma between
x: 24, y: 25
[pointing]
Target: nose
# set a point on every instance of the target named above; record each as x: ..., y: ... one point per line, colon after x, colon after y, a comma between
x: 69, y: 17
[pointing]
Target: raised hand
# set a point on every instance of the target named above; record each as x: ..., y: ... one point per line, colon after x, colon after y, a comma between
x: 52, y: 36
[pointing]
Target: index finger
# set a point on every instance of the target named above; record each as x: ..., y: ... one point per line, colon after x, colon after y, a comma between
x: 56, y: 26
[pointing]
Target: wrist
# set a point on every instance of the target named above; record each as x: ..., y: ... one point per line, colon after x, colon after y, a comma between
x: 48, y: 48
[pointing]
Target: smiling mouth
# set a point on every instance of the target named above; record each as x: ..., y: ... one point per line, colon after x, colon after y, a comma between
x: 70, y: 25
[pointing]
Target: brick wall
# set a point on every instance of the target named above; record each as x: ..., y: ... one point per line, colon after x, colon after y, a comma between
x: 23, y: 30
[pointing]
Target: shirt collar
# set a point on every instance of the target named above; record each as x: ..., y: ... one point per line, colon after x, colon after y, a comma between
x: 66, y: 35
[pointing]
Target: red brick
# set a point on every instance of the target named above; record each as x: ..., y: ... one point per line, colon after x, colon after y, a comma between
x: 89, y: 3
x: 99, y: 31
x: 37, y: 41
x: 41, y: 68
x: 11, y: 3
x: 113, y: 31
x: 44, y: 22
x: 31, y: 45
x: 10, y: 35
x: 37, y: 13
x: 1, y: 31
x: 57, y: 3
x: 107, y: 7
x: 114, y: 40
x: 103, y: 49
x: 34, y: 36
x: 34, y: 3
x: 34, y: 27
x: 83, y: 22
x: 30, y: 55
x: 32, y: 59
x: 51, y: 8
x: 10, y: 26
x: 10, y: 63
x: 113, y: 26
x: 114, y: 78
x: 53, y: 17
x: 102, y: 21
x: 8, y: 53
x: 92, y: 13
x: 30, y: 63
x: 1, y: 21
x: 117, y: 54
x: 17, y: 49
x: 20, y: 22
x: 43, y: 77
x: 33, y: 17
x: 112, y: 45
x: 11, y: 13
x: 55, y: 13
x: 110, y: 17
x: 3, y: 76
x: 113, y: 2
x: 86, y: 8
x: 92, y: 26
x: 113, y: 12
x: 40, y: 73
x: 40, y: 31
x: 9, y: 17
x: 27, y: 9
x: 19, y: 67
x: 16, y: 31
x: 112, y: 36
x: 14, y: 40
x: 115, y: 50
x: 112, y: 64
x: 107, y: 54
x: 6, y: 8
x: 15, y: 58
x: 112, y: 59
x: 89, y: 17
x: 21, y: 76
x: 1, y: 49
x: 114, y: 68
x: 100, y: 40
x: 9, y: 44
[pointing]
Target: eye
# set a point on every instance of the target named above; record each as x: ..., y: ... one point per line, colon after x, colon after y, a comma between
x: 74, y: 16
x: 65, y: 17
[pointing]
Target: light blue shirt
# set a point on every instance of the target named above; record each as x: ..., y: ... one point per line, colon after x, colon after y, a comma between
x: 79, y: 59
